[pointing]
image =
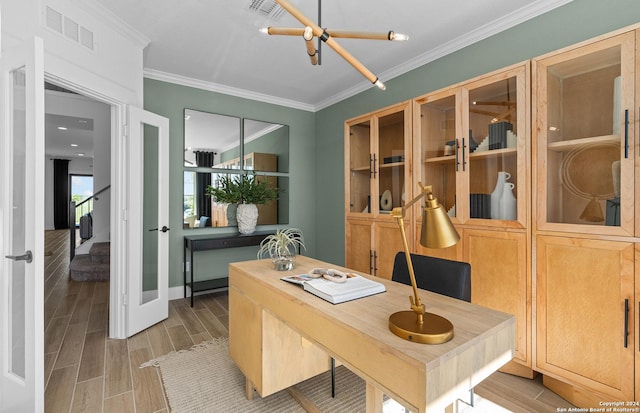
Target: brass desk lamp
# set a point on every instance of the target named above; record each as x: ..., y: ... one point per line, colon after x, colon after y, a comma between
x: 437, y: 232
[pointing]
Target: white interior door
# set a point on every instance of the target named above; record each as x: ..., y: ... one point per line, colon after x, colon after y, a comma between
x: 148, y: 220
x: 22, y: 229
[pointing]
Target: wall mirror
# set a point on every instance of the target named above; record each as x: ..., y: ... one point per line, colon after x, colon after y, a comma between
x: 216, y: 144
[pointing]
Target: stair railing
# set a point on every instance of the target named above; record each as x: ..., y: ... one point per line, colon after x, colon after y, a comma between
x: 85, y: 206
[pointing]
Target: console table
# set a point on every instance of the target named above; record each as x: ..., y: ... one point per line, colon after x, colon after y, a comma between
x: 280, y: 335
x: 207, y: 242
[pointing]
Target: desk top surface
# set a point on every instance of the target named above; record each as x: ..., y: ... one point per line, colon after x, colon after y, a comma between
x: 356, y: 333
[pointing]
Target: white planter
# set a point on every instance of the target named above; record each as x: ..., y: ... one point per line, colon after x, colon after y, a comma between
x: 247, y: 216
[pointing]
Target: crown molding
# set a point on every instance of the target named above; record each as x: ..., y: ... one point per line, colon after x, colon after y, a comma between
x: 227, y: 90
x: 115, y: 22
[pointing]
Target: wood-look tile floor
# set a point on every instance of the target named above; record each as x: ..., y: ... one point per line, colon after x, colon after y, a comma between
x: 85, y: 371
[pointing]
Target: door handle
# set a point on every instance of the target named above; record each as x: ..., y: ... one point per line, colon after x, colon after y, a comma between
x: 27, y: 256
x: 163, y: 229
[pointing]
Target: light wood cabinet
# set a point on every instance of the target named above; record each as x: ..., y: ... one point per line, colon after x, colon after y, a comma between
x: 586, y: 220
x: 467, y: 138
x: 377, y: 176
x: 583, y: 289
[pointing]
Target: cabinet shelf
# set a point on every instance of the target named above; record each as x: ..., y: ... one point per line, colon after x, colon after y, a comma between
x: 361, y: 169
x: 391, y: 165
x: 568, y: 145
x: 472, y: 156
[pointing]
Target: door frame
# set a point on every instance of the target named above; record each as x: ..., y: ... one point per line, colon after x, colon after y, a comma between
x: 118, y: 206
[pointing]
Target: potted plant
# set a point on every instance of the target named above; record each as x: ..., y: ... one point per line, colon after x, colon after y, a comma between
x: 226, y: 192
x: 282, y: 248
x: 246, y: 191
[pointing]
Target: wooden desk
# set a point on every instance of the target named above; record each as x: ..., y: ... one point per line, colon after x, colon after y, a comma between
x: 207, y: 242
x: 280, y: 335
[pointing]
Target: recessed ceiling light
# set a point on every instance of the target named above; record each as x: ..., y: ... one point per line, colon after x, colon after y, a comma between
x: 62, y: 128
x: 80, y: 154
x: 82, y: 121
x: 74, y: 145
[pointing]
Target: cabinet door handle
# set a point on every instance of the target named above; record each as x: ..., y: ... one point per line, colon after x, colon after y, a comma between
x: 626, y: 133
x: 375, y: 165
x: 370, y: 261
x: 457, y: 161
x: 626, y: 323
x: 464, y: 161
x: 370, y: 165
x: 375, y: 263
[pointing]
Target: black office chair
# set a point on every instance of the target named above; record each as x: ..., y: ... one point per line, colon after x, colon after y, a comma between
x: 446, y: 277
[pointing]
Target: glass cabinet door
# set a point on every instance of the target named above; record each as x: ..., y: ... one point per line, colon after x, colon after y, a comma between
x: 495, y: 144
x: 438, y: 143
x: 389, y: 160
x: 585, y: 137
x: 360, y: 166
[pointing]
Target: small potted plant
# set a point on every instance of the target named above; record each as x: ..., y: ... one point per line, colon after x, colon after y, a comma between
x: 282, y: 247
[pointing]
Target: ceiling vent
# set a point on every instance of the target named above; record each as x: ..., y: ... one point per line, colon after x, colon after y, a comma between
x: 267, y: 8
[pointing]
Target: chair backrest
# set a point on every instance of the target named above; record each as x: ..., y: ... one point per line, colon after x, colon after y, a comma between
x: 446, y: 277
x: 203, y: 221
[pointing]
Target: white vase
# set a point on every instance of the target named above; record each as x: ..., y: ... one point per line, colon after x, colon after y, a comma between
x: 496, y: 195
x: 247, y: 216
x: 508, y: 205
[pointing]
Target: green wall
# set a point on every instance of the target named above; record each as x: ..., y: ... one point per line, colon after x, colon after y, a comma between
x: 319, y: 136
x: 170, y: 100
x: 574, y: 22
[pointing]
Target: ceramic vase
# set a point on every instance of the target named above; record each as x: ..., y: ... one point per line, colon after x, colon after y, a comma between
x: 496, y: 195
x: 247, y: 216
x: 508, y: 207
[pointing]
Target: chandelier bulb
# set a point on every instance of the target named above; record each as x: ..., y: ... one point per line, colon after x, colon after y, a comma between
x: 308, y: 33
x: 380, y: 84
x: 399, y: 37
x: 264, y: 30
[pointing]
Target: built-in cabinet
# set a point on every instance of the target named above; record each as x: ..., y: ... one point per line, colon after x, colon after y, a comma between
x: 586, y: 222
x: 559, y: 247
x: 377, y: 153
x: 471, y: 144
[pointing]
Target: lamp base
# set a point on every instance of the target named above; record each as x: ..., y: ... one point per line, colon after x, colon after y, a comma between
x: 434, y: 329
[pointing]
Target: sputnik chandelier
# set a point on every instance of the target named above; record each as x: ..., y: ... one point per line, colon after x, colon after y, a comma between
x: 311, y: 30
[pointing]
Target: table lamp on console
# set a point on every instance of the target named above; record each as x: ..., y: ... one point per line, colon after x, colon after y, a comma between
x: 437, y: 232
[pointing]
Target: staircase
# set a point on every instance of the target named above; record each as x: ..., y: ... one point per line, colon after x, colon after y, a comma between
x: 93, y: 266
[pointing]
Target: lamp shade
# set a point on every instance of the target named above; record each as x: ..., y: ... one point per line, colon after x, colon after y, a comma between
x: 437, y: 229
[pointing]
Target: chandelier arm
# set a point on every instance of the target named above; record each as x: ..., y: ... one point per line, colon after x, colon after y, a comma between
x: 286, y: 31
x: 348, y: 34
x: 323, y: 35
x: 311, y: 47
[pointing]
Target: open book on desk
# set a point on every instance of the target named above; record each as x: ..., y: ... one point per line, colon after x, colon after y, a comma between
x: 354, y: 287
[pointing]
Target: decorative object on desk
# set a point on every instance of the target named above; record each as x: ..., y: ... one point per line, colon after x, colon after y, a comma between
x: 585, y: 173
x: 386, y: 201
x: 335, y: 286
x: 496, y: 195
x: 437, y: 232
x: 282, y: 248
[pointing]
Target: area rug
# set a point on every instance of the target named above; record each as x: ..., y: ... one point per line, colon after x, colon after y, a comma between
x: 205, y: 379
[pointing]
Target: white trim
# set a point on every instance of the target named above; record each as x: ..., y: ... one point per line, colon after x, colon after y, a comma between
x: 227, y: 90
x: 117, y: 24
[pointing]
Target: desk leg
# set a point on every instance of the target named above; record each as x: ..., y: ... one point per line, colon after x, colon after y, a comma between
x: 248, y: 389
x: 191, y: 274
x: 373, y: 399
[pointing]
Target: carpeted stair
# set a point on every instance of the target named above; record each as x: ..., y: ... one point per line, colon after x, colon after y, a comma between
x: 93, y: 266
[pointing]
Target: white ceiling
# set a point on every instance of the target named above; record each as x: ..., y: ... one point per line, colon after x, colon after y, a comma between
x: 217, y: 43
